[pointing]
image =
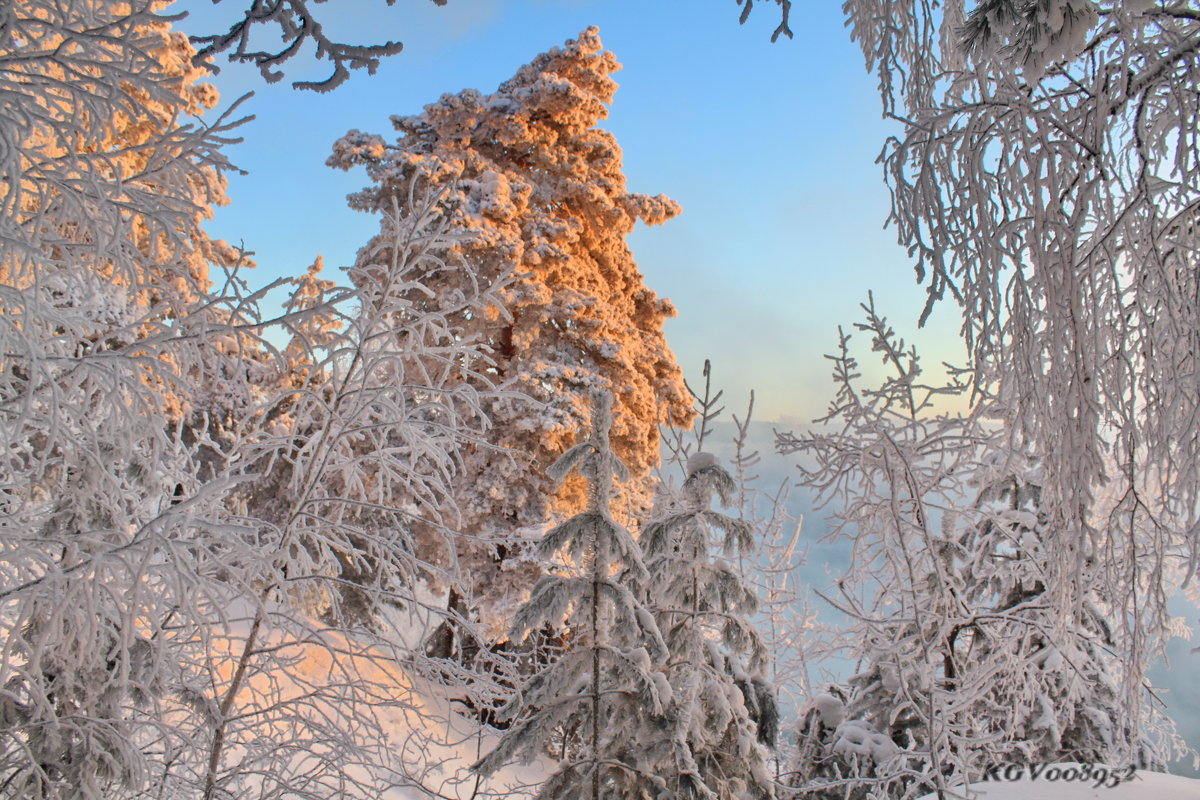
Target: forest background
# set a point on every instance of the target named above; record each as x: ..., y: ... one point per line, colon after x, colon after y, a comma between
x: 198, y: 517
x: 769, y: 148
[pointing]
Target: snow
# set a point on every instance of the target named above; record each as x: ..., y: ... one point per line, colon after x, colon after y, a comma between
x: 434, y: 746
x: 1142, y: 786
x: 857, y: 738
x: 701, y: 460
x: 831, y: 709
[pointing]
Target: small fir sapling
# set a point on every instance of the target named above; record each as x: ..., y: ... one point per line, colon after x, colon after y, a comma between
x: 716, y: 663
x: 599, y: 708
x: 788, y: 624
x: 767, y: 515
x: 681, y: 443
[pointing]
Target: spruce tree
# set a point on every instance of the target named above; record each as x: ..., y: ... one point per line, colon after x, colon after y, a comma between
x: 716, y: 660
x: 599, y: 707
x: 541, y: 191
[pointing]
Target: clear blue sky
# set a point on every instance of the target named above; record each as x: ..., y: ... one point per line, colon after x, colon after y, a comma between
x: 770, y: 149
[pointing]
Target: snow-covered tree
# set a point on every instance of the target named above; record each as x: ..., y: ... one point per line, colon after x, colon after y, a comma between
x: 966, y: 658
x: 599, y: 707
x: 1047, y: 178
x: 541, y: 189
x: 1069, y: 708
x: 168, y: 627
x: 1018, y: 681
x: 889, y: 468
x: 784, y: 624
x: 102, y: 166
x: 792, y: 638
x: 103, y: 275
x: 337, y: 472
x: 716, y: 661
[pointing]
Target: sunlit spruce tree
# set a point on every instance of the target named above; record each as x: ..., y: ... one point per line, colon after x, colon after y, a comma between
x: 541, y: 190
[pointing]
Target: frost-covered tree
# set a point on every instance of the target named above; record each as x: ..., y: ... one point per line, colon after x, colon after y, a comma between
x: 1069, y: 708
x: 542, y: 190
x: 598, y: 709
x: 103, y: 279
x: 783, y: 622
x: 163, y: 626
x: 1017, y: 680
x: 337, y: 471
x: 96, y: 98
x: 1046, y: 178
x: 792, y: 638
x: 966, y: 658
x: 716, y: 661
x: 890, y: 469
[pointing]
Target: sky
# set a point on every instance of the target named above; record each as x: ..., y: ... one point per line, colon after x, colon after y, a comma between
x: 769, y: 148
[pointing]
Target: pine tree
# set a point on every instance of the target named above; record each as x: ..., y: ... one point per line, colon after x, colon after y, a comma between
x: 541, y: 189
x: 716, y: 661
x: 599, y: 707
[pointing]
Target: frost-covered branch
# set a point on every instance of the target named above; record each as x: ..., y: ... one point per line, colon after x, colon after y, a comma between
x: 969, y: 652
x: 1045, y: 179
x: 298, y: 26
x: 201, y: 534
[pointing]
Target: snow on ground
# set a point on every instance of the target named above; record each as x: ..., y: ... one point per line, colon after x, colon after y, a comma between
x: 433, y: 744
x: 1141, y: 786
x: 324, y: 678
x: 436, y: 746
